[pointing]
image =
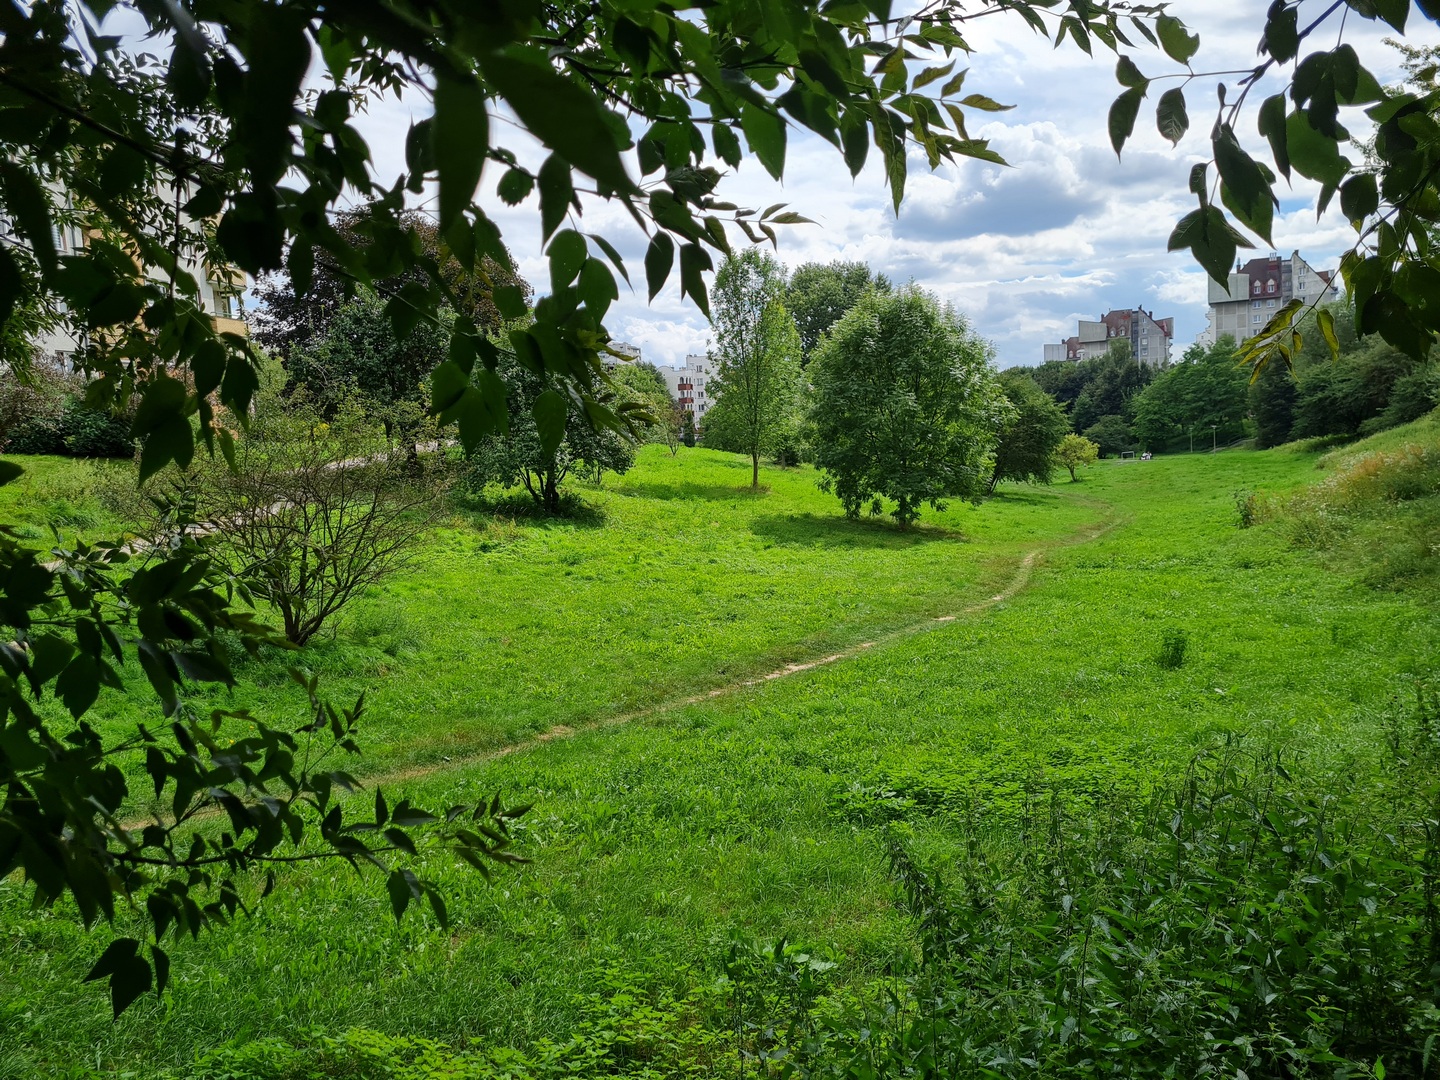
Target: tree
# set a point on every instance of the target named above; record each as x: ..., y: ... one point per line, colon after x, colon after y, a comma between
x: 358, y: 359
x: 819, y: 294
x: 542, y: 445
x: 687, y: 429
x: 643, y: 384
x: 1111, y: 383
x: 1030, y: 435
x: 289, y: 321
x: 1111, y: 434
x: 313, y: 513
x: 1205, y: 394
x: 757, y: 354
x: 1272, y: 398
x: 906, y: 406
x: 1075, y: 451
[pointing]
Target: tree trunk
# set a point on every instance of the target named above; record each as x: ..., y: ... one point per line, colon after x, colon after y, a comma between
x: 755, y: 470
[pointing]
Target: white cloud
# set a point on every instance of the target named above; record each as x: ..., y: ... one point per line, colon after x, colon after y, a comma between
x: 1069, y: 231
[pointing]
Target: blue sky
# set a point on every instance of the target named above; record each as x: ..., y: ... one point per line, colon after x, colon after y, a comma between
x: 1066, y: 233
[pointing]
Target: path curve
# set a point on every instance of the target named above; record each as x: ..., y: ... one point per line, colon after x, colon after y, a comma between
x: 1018, y: 581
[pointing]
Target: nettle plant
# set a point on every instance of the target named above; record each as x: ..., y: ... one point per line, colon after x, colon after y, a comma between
x: 213, y: 149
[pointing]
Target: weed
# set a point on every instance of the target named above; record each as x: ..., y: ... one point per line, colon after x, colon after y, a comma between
x: 1173, y: 643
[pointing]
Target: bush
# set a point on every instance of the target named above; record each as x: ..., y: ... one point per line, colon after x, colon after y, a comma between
x: 92, y: 433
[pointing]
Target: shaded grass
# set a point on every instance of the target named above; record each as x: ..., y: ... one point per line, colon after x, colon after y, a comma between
x: 758, y: 812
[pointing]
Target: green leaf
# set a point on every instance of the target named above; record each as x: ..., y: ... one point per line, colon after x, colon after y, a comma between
x: 556, y: 193
x: 569, y: 120
x: 461, y: 137
x: 1359, y: 197
x: 597, y: 287
x: 1326, y: 321
x: 727, y: 143
x: 1179, y: 44
x: 400, y: 894
x: 694, y: 261
x: 510, y: 301
x: 1272, y: 126
x: 1122, y: 117
x: 515, y: 186
x: 1282, y: 32
x: 25, y: 202
x: 932, y: 74
x: 567, y: 252
x: 1127, y: 74
x: 984, y: 104
x: 1246, y: 190
x: 1170, y: 116
x: 659, y: 258
x: 127, y: 970
x: 765, y: 132
x: 1311, y: 153
x: 1210, y: 238
x: 550, y: 411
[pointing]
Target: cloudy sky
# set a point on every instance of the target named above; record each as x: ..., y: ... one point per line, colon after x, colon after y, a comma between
x: 1067, y: 232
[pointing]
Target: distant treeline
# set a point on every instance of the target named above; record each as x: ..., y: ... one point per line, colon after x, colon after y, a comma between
x: 1207, y: 398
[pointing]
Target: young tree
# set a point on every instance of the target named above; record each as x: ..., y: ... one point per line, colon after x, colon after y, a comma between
x: 757, y: 350
x: 819, y: 294
x: 537, y: 455
x: 906, y: 406
x: 1075, y: 451
x: 1027, y: 440
x: 313, y: 512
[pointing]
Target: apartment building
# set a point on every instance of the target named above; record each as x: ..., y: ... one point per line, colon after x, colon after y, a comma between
x: 1150, y: 338
x: 689, y: 385
x: 1248, y: 300
x: 221, y: 292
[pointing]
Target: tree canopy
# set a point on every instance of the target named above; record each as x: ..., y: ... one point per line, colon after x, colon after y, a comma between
x: 1030, y: 435
x: 905, y: 407
x: 819, y: 294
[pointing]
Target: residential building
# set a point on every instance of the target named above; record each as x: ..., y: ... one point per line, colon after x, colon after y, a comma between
x: 689, y: 385
x: 1257, y: 288
x: 631, y: 353
x: 221, y: 293
x: 1150, y: 338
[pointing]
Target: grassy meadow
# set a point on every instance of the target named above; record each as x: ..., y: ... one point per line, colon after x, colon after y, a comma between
x: 997, y: 657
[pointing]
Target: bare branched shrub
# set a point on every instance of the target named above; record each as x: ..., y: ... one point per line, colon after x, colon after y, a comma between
x: 314, y: 513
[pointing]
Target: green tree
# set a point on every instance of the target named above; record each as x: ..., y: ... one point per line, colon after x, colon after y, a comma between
x: 1272, y: 397
x: 757, y: 354
x: 906, y: 406
x: 1204, y: 396
x: 1111, y: 382
x: 359, y: 358
x: 547, y: 437
x: 819, y: 294
x: 1076, y: 451
x: 1029, y: 437
x: 1111, y: 434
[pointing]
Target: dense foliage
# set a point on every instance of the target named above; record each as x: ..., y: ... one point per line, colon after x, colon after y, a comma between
x: 43, y: 411
x: 1076, y: 452
x: 905, y: 406
x: 1200, y: 399
x: 819, y: 294
x: 1097, y: 389
x: 1030, y: 435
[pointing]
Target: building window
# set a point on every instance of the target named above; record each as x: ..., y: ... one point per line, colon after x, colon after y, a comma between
x: 1256, y: 318
x: 1269, y: 303
x: 1256, y: 289
x: 1270, y: 286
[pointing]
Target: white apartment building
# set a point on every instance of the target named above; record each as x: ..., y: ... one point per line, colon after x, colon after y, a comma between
x: 689, y: 385
x: 1257, y: 288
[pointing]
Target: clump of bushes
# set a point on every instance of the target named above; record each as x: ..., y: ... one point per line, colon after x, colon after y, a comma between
x: 46, y: 413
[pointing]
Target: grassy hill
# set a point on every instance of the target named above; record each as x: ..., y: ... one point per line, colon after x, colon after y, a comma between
x: 1054, y: 655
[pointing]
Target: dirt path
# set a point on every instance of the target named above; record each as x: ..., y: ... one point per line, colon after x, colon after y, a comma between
x: 1018, y: 581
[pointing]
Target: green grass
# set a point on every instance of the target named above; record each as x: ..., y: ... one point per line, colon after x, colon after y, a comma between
x: 759, y: 811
